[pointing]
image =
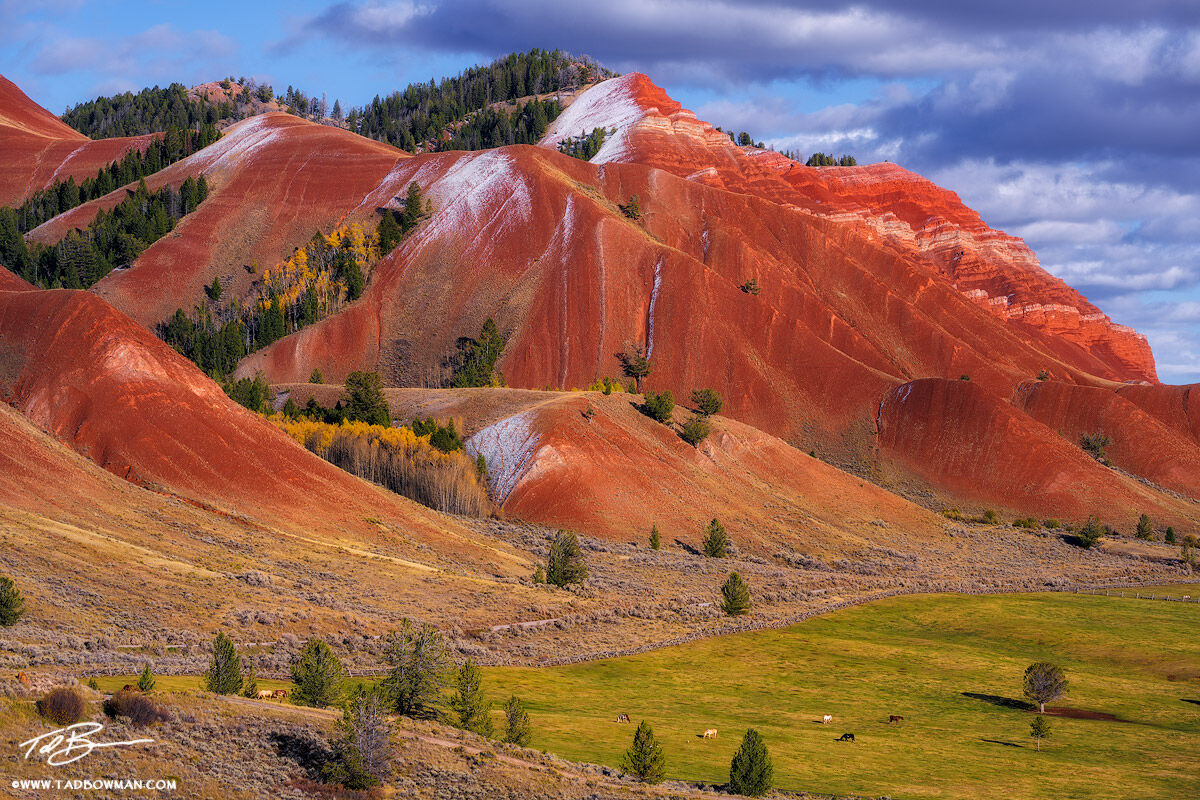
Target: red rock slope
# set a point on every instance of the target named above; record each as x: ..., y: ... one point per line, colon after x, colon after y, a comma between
x: 80, y: 370
x: 38, y: 148
x: 994, y: 269
x: 274, y: 180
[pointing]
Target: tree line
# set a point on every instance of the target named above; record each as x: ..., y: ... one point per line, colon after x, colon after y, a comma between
x: 113, y: 239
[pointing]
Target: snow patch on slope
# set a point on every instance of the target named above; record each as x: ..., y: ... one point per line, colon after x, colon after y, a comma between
x: 510, y: 447
x: 608, y: 104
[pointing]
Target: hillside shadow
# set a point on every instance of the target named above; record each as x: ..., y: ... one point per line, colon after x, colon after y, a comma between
x: 688, y: 548
x: 309, y: 753
x: 1003, y: 702
x: 997, y: 741
x: 1189, y: 700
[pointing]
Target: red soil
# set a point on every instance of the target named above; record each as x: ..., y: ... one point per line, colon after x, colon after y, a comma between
x: 996, y: 270
x: 959, y: 437
x: 39, y: 148
x: 110, y: 389
x: 1142, y: 444
x: 273, y: 179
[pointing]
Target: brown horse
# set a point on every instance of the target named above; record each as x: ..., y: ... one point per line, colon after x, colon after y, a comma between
x: 622, y: 718
x: 895, y: 718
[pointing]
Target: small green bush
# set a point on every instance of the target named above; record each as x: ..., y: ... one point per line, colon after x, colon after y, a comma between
x: 695, y: 430
x: 659, y: 406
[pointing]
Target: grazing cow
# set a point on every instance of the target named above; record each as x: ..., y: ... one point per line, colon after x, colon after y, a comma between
x: 279, y: 694
x: 895, y: 718
x: 622, y: 718
x: 129, y: 687
x: 265, y: 694
x: 846, y: 737
x: 828, y: 718
x: 711, y: 733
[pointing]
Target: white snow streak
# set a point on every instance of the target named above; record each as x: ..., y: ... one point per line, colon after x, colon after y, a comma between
x: 650, y: 313
x: 608, y: 104
x: 510, y: 447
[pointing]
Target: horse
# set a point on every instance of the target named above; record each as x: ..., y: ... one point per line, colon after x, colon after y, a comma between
x: 711, y: 733
x: 622, y: 718
x: 828, y: 718
x: 895, y: 718
x: 846, y: 737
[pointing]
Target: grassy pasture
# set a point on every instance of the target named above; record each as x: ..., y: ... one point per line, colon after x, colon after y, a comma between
x: 951, y: 665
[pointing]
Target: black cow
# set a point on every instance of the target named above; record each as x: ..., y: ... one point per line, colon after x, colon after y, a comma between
x: 846, y: 737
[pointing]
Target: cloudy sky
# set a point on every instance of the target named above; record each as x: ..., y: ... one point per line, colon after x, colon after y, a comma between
x: 1072, y: 123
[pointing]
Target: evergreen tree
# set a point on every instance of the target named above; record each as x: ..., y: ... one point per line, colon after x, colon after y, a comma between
x: 316, y: 376
x: 716, y: 540
x: 364, y: 399
x: 707, y: 401
x: 12, y: 605
x: 750, y: 772
x: 389, y: 232
x: 419, y: 662
x: 635, y: 364
x: 735, y: 596
x: 473, y: 709
x: 318, y: 675
x: 1145, y: 529
x: 659, y: 406
x: 214, y: 291
x: 1169, y: 535
x: 695, y: 430
x: 655, y: 539
x: 1039, y: 729
x: 565, y: 564
x: 645, y: 758
x: 146, y: 680
x: 516, y: 723
x: 224, y: 675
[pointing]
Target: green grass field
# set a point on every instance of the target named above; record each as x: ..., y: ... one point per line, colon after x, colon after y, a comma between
x: 921, y: 657
x: 950, y: 664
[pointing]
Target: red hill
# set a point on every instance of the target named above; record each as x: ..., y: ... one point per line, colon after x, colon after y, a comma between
x: 39, y: 148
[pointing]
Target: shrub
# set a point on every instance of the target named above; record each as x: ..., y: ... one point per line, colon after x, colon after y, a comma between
x: 1039, y: 729
x: 1169, y: 535
x: 138, y: 708
x: 1145, y: 529
x: 952, y: 514
x: 539, y: 574
x: 318, y: 675
x: 707, y: 401
x: 695, y: 430
x: 751, y: 772
x: 62, y: 706
x: 565, y: 563
x: 644, y: 758
x: 473, y: 709
x: 989, y: 517
x: 316, y: 376
x: 632, y: 209
x: 145, y: 680
x: 250, y: 682
x: 516, y: 723
x: 658, y: 406
x: 750, y: 287
x: 1028, y: 523
x: 1096, y: 445
x: 419, y: 663
x: 1089, y: 535
x: 1051, y: 524
x: 12, y: 605
x: 735, y: 596
x: 716, y: 540
x: 224, y: 675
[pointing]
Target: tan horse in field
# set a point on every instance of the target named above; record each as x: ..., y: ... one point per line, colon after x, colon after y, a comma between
x: 711, y: 733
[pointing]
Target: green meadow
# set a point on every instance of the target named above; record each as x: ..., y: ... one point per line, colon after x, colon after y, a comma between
x: 950, y: 665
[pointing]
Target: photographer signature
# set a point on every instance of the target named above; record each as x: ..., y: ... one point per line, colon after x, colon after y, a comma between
x: 69, y: 744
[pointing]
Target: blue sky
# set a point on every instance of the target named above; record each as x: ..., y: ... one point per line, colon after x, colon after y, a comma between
x: 1071, y: 123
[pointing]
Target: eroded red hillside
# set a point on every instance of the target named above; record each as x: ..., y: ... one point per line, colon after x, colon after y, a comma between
x: 38, y: 148
x: 995, y: 270
x: 82, y: 371
x: 964, y: 440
